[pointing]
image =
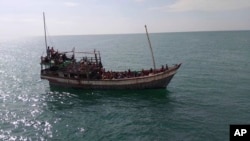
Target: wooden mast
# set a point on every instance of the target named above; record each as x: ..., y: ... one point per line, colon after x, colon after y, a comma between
x: 45, y: 36
x: 152, y: 54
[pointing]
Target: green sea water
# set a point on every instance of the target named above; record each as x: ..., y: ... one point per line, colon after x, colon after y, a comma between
x: 210, y: 91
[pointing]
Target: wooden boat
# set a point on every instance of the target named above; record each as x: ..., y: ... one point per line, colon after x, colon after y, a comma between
x: 85, y: 80
x: 87, y: 71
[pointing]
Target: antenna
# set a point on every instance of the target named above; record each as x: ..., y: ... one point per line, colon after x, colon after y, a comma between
x: 152, y: 54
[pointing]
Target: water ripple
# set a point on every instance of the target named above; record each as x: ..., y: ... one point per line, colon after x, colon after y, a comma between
x: 209, y: 92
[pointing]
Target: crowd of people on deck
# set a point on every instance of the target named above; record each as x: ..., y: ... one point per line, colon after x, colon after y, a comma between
x: 55, y: 56
x: 93, y: 69
x: 130, y: 74
x: 88, y: 69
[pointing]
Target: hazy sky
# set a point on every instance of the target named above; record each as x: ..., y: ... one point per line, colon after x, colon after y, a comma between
x: 67, y: 17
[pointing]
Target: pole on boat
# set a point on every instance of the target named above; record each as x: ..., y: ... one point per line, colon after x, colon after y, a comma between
x: 152, y: 54
x: 45, y: 36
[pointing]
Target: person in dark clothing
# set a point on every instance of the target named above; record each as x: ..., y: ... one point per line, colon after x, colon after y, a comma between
x: 64, y: 57
x: 166, y: 66
x: 48, y: 52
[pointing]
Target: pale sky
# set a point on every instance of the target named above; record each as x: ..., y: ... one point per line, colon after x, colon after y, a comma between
x: 79, y: 17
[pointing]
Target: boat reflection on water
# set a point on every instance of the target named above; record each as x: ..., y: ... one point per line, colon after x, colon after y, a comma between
x: 82, y: 94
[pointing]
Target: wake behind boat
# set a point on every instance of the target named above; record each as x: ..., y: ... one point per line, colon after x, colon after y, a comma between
x: 85, y: 70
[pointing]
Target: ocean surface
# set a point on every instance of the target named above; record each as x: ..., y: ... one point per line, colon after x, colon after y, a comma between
x: 210, y: 91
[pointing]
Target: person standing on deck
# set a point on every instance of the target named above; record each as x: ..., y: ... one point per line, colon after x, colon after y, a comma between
x: 48, y: 52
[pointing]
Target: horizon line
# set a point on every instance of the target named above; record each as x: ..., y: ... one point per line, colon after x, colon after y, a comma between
x: 96, y: 34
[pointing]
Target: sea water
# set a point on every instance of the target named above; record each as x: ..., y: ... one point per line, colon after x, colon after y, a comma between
x: 210, y: 91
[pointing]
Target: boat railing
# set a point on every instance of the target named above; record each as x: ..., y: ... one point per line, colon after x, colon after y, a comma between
x: 95, y: 55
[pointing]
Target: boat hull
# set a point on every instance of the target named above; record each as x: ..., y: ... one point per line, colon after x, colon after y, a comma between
x: 155, y: 81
